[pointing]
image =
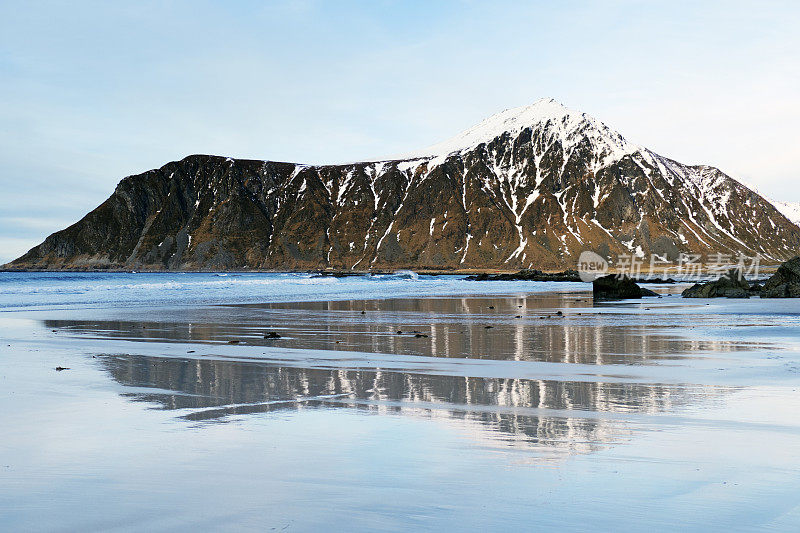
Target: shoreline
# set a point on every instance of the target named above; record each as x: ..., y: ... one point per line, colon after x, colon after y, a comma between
x: 767, y: 268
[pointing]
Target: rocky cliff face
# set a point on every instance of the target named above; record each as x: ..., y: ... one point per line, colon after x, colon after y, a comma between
x: 529, y: 187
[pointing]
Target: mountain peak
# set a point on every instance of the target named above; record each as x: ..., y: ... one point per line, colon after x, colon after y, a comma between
x: 558, y: 122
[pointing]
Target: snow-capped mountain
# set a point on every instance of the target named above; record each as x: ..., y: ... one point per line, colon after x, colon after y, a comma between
x: 529, y: 187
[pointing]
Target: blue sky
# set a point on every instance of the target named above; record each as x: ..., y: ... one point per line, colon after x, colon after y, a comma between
x: 93, y: 91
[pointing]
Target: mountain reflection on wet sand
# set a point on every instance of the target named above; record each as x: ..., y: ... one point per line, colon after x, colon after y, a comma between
x: 335, y: 355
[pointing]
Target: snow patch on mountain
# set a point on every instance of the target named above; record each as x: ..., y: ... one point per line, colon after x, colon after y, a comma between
x: 790, y: 210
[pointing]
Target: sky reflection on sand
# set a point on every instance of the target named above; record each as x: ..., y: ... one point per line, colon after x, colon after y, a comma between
x: 661, y: 413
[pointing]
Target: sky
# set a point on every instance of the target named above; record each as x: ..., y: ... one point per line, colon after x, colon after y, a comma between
x: 91, y: 92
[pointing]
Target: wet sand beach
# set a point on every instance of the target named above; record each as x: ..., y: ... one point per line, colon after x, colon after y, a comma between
x: 266, y: 403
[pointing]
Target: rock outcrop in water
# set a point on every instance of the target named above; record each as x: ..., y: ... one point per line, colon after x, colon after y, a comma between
x: 530, y: 187
x: 614, y: 287
x: 785, y: 283
x: 730, y: 285
x: 529, y: 275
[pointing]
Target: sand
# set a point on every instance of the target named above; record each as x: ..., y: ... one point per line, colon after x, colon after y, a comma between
x: 664, y: 414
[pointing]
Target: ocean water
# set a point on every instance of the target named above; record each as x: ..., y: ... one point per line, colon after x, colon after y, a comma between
x: 49, y: 289
x: 391, y: 403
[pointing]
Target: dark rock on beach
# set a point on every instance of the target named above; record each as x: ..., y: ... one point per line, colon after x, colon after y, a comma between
x: 785, y: 283
x: 529, y: 275
x: 614, y: 287
x: 730, y: 285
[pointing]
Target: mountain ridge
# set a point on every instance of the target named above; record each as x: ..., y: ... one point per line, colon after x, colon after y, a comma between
x: 790, y: 210
x: 528, y: 187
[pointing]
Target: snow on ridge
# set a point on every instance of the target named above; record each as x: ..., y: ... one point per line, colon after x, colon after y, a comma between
x: 565, y: 125
x: 790, y: 210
